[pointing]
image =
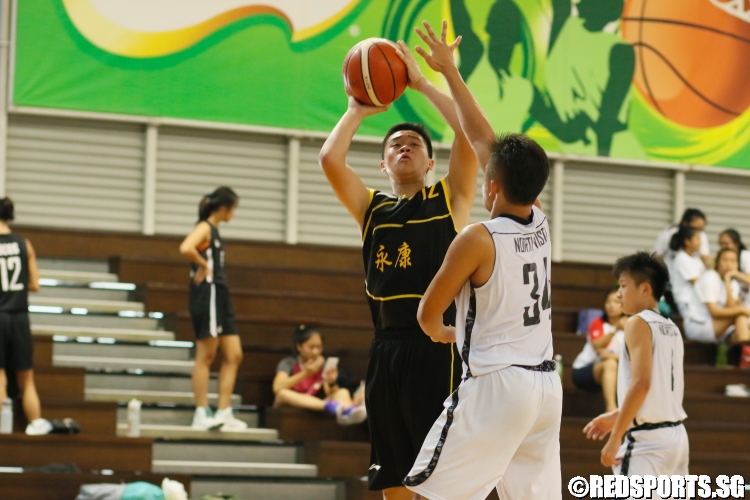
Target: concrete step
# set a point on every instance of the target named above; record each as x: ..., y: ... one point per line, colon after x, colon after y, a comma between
x: 123, y: 350
x: 79, y: 292
x: 268, y: 489
x: 244, y: 469
x: 149, y: 388
x: 95, y: 321
x: 79, y: 265
x: 162, y: 431
x: 176, y: 397
x: 144, y: 382
x: 102, y: 306
x: 60, y: 276
x: 231, y: 459
x: 108, y: 363
x: 276, y: 453
x: 183, y: 415
x: 117, y: 334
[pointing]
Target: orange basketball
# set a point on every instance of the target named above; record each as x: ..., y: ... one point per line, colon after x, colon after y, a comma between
x: 374, y: 74
x: 693, y: 58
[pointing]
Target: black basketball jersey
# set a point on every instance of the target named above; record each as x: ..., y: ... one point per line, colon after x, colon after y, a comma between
x: 213, y: 252
x: 405, y: 241
x: 14, y: 273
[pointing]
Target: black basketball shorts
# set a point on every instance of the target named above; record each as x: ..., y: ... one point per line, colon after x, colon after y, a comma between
x: 409, y: 378
x: 211, y: 311
x: 16, y: 346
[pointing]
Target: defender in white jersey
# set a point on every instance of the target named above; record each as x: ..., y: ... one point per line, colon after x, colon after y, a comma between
x: 650, y: 382
x: 501, y: 427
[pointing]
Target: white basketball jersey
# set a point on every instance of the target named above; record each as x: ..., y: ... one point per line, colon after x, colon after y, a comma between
x: 508, y: 320
x: 663, y: 402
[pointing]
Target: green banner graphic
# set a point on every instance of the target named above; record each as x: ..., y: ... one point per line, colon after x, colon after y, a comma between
x: 638, y: 79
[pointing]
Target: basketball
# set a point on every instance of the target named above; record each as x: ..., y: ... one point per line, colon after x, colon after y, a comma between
x: 374, y: 74
x: 693, y: 58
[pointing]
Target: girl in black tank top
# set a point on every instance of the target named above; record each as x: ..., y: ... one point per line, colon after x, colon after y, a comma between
x: 18, y: 276
x: 211, y: 310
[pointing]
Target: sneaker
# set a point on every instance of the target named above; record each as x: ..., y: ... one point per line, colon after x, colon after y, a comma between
x: 352, y: 415
x: 204, y: 420
x: 737, y: 390
x: 39, y: 427
x: 229, y: 423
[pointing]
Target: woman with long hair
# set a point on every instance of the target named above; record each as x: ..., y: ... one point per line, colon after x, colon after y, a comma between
x: 684, y: 271
x: 211, y: 311
x: 305, y: 381
x: 723, y: 315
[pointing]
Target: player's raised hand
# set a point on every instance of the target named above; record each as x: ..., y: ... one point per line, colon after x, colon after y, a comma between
x: 602, y: 425
x: 412, y: 66
x: 440, y: 57
x: 363, y: 110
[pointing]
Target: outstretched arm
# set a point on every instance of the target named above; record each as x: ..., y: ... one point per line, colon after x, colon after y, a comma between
x: 469, y: 258
x: 473, y: 121
x: 346, y: 184
x: 463, y: 165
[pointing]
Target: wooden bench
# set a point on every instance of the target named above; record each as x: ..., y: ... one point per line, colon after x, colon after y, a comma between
x: 87, y: 451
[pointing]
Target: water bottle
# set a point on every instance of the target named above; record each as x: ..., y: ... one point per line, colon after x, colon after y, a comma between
x: 6, y: 417
x: 559, y: 365
x: 134, y: 418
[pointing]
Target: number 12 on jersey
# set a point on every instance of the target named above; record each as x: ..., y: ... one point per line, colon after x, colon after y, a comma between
x: 530, y: 270
x: 8, y: 264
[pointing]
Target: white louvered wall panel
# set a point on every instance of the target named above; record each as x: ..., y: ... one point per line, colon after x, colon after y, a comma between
x: 612, y: 211
x: 75, y: 173
x: 724, y: 199
x: 322, y: 219
x: 192, y: 163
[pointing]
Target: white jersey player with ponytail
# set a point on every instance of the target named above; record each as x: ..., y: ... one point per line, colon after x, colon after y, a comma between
x: 650, y: 380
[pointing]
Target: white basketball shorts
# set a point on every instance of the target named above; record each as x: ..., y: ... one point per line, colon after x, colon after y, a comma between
x: 657, y: 452
x: 499, y: 430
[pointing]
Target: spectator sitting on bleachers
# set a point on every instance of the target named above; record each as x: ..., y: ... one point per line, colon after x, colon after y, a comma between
x: 692, y: 217
x: 302, y: 382
x: 684, y: 271
x: 721, y: 314
x: 730, y: 238
x: 595, y: 367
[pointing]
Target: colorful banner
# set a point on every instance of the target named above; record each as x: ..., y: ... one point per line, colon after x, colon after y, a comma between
x: 639, y: 79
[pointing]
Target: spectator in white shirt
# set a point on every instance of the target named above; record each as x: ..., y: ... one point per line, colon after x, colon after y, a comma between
x: 723, y: 313
x: 730, y: 238
x: 692, y: 217
x: 684, y: 271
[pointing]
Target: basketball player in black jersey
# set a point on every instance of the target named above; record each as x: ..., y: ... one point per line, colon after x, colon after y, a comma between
x: 18, y: 275
x: 405, y: 236
x: 211, y: 311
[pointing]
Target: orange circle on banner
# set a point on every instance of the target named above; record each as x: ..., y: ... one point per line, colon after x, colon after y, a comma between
x: 693, y: 58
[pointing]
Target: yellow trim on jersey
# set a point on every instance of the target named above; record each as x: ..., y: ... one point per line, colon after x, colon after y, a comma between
x: 372, y: 195
x: 369, y: 219
x: 412, y: 222
x: 392, y: 297
x: 448, y: 202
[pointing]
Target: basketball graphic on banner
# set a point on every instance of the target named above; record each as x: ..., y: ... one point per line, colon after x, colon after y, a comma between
x: 690, y: 58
